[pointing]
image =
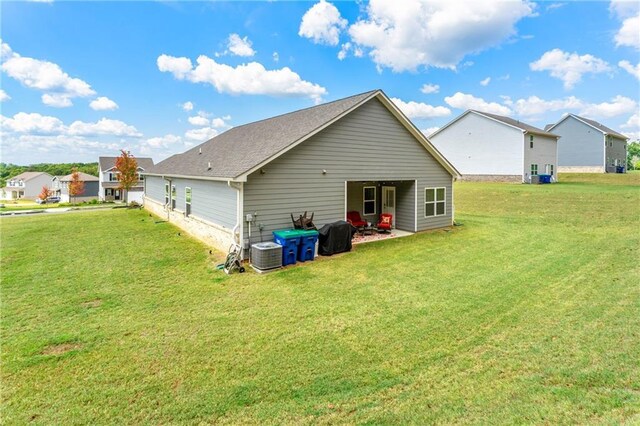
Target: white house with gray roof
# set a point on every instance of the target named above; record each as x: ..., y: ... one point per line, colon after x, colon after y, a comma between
x: 108, y: 180
x: 588, y: 146
x: 490, y: 147
x: 359, y: 153
x: 27, y: 185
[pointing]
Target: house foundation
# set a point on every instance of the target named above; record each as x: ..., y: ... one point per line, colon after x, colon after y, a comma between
x: 209, y: 233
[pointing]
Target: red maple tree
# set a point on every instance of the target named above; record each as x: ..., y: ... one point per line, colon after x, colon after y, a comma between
x: 127, y: 168
x: 44, y: 194
x: 76, y: 186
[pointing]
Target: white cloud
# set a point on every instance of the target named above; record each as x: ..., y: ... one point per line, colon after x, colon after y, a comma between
x: 465, y: 101
x: 534, y: 106
x: 486, y: 81
x: 322, y: 23
x: 344, y: 50
x: 629, y: 33
x: 569, y: 67
x: 35, y: 123
x: 420, y: 110
x: 187, y: 106
x: 623, y: 9
x: 240, y: 46
x: 275, y: 56
x: 629, y: 13
x: 346, y: 47
x: 427, y: 33
x: 429, y: 88
x: 26, y: 149
x: 104, y: 126
x: 429, y: 130
x: 630, y: 68
x: 56, y: 100
x: 103, y: 103
x: 4, y: 96
x: 618, y: 106
x: 633, y: 122
x: 553, y: 6
x: 245, y: 79
x: 202, y: 134
x: 199, y: 120
x: 45, y: 76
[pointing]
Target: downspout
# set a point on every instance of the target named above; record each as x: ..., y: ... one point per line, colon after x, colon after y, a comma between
x: 237, y: 229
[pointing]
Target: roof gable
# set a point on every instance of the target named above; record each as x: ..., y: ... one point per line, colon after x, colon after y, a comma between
x: 593, y: 124
x: 108, y: 163
x: 27, y: 176
x: 84, y: 177
x: 507, y: 121
x: 241, y: 150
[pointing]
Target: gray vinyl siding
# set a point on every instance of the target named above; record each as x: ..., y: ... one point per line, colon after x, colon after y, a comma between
x: 368, y: 144
x: 90, y: 189
x: 617, y: 151
x: 406, y: 202
x: 210, y: 200
x: 579, y: 144
x: 544, y: 152
x: 477, y: 145
x: 154, y: 188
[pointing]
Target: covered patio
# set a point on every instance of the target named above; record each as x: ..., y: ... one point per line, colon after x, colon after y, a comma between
x: 372, y: 198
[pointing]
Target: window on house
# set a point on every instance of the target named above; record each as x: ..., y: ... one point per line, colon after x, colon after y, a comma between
x: 435, y: 202
x: 187, y: 200
x: 173, y: 196
x: 530, y: 141
x: 166, y: 193
x: 369, y: 200
x: 548, y: 169
x: 534, y: 169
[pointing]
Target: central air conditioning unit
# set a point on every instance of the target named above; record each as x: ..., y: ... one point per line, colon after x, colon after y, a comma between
x: 265, y: 256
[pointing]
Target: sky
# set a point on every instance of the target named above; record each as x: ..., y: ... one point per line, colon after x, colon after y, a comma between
x: 81, y: 80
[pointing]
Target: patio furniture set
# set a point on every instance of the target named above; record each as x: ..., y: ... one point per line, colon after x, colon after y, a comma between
x: 366, y: 228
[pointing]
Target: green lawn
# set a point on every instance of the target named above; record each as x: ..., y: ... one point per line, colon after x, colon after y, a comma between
x: 528, y: 313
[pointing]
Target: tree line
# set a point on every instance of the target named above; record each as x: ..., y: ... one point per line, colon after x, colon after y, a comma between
x: 8, y: 170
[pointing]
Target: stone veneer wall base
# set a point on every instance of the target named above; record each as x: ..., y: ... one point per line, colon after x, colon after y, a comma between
x: 491, y: 178
x: 580, y: 169
x: 213, y: 235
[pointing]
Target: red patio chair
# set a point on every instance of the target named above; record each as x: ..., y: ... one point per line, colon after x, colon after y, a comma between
x: 353, y: 217
x: 386, y: 219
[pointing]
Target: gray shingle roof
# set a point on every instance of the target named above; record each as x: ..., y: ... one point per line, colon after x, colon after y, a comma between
x: 601, y: 127
x: 25, y: 176
x: 242, y: 148
x: 85, y: 177
x: 516, y: 123
x: 106, y: 163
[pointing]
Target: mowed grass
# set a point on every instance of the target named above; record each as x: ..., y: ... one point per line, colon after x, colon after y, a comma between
x: 528, y: 313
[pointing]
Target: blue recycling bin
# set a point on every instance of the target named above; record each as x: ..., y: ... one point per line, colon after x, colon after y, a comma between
x: 545, y: 178
x: 307, y: 245
x: 619, y: 169
x: 289, y: 239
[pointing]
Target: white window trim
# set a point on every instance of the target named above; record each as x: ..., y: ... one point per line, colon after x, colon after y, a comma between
x: 375, y: 200
x: 185, y: 194
x: 435, y: 201
x: 531, y: 169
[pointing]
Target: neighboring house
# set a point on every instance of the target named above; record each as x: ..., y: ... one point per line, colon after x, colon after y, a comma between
x: 490, y: 147
x: 108, y: 181
x: 358, y: 153
x: 60, y: 186
x: 588, y: 146
x: 27, y: 185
